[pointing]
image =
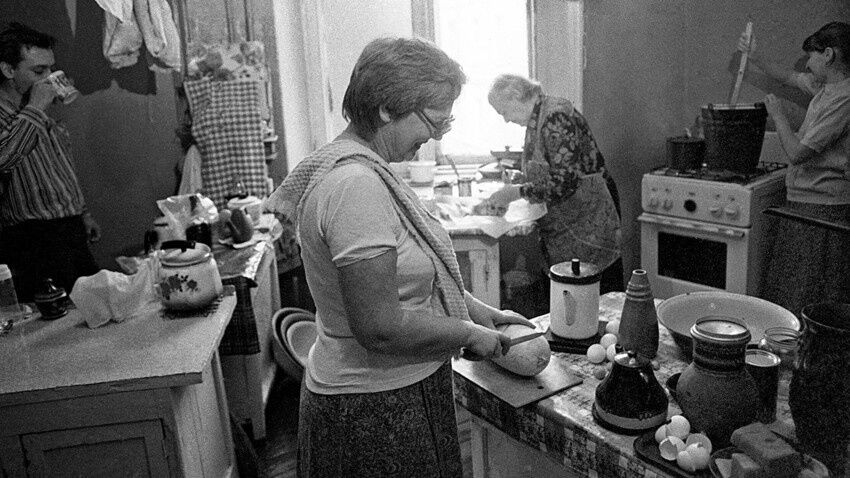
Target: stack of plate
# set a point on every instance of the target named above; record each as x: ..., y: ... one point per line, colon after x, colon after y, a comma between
x: 294, y: 332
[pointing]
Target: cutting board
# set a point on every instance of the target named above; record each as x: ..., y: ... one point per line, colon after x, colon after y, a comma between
x: 514, y: 389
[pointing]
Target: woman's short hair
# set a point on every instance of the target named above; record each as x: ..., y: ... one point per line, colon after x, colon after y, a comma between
x: 402, y: 75
x: 835, y: 35
x: 510, y: 86
x: 17, y: 36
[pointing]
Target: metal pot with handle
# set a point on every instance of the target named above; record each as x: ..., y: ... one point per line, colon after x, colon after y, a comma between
x: 188, y: 275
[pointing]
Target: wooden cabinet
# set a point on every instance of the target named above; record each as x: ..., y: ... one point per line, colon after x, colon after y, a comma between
x: 140, y: 398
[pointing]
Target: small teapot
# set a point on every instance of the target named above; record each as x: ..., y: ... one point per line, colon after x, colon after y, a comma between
x: 629, y: 400
x: 188, y: 276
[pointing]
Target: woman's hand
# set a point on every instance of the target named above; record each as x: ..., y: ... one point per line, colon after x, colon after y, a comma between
x: 774, y: 107
x: 487, y: 343
x: 747, y: 45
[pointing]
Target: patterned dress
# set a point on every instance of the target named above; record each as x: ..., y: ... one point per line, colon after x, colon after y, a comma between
x: 564, y: 168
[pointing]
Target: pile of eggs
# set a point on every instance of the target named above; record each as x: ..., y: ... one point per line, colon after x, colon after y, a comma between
x: 690, y: 451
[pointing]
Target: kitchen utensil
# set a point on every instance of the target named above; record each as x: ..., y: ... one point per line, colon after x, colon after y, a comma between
x: 742, y: 67
x: 679, y: 313
x: 685, y: 153
x: 454, y: 166
x: 819, y: 396
x: 629, y: 400
x: 639, y: 321
x: 734, y: 135
x: 514, y: 389
x: 715, y: 392
x: 574, y: 299
x: 188, y: 276
x: 470, y: 355
x: 52, y: 301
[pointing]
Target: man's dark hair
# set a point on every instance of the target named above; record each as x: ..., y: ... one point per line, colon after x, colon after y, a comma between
x: 17, y: 36
x: 835, y: 35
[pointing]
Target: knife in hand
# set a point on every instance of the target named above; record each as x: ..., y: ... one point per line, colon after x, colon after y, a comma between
x: 470, y: 355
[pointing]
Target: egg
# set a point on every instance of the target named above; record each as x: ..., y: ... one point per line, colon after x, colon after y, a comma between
x: 661, y: 434
x: 699, y: 455
x: 611, y: 352
x: 596, y: 353
x: 679, y: 427
x: 685, y: 461
x: 670, y: 447
x: 613, y: 327
x: 607, y: 340
x: 701, y: 439
x: 599, y: 372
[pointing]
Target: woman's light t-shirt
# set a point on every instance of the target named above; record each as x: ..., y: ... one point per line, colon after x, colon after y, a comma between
x: 349, y: 217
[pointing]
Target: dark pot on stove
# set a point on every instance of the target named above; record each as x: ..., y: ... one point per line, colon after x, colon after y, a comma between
x: 685, y: 152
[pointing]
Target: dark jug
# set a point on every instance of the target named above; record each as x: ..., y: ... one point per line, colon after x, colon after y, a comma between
x: 630, y: 400
x: 819, y: 396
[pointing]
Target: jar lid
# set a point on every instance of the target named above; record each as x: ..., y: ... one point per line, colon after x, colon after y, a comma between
x: 761, y: 358
x: 575, y: 272
x: 631, y: 359
x: 186, y: 254
x: 49, y: 292
x: 721, y: 329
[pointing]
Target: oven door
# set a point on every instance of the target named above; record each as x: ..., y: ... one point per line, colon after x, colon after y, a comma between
x: 683, y: 256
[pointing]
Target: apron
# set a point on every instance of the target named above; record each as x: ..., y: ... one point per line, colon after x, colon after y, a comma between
x: 584, y: 225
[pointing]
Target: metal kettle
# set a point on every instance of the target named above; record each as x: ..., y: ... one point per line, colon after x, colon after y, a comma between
x: 629, y: 400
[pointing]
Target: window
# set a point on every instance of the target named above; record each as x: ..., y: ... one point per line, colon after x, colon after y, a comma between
x: 487, y: 37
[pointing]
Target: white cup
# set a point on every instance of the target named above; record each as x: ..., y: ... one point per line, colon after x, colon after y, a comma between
x: 422, y: 171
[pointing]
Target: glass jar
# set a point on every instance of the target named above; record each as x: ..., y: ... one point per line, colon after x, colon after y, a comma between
x: 785, y: 343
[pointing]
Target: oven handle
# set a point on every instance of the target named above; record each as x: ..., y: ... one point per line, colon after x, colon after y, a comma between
x: 707, y: 228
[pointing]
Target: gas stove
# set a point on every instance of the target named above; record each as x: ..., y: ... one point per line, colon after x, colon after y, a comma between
x: 718, y: 197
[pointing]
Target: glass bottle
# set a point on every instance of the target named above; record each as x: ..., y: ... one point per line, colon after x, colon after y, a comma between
x: 785, y: 343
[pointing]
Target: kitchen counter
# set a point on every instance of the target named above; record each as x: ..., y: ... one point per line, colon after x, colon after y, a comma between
x: 561, y: 428
x: 811, y: 219
x: 144, y: 396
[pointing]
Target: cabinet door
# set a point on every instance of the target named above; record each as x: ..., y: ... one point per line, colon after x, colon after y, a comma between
x: 129, y: 449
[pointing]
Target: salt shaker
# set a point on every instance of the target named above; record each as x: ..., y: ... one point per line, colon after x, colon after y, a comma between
x: 639, y: 322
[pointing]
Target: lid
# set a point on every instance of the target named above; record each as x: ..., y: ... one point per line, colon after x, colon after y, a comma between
x: 761, y: 358
x: 721, y: 329
x: 48, y: 292
x: 242, y: 202
x: 575, y: 272
x: 5, y: 273
x: 185, y: 254
x: 631, y: 359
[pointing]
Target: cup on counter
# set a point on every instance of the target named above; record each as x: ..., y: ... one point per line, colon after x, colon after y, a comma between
x: 422, y: 172
x: 764, y: 367
x: 464, y: 187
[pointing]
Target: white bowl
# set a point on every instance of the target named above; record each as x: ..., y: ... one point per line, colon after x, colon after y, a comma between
x: 422, y: 171
x: 285, y: 357
x: 299, y: 338
x: 679, y: 313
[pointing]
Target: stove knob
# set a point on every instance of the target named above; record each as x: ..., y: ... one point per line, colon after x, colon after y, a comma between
x: 653, y: 202
x: 732, y: 210
x: 715, y: 210
x: 690, y: 205
x: 668, y: 204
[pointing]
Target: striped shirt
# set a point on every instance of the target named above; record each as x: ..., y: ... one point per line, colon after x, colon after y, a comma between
x: 35, y: 165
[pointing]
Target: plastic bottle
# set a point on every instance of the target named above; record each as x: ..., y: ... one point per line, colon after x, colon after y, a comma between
x: 639, y: 322
x: 9, y: 307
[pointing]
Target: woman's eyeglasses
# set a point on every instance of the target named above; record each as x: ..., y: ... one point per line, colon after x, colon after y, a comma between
x: 436, y: 130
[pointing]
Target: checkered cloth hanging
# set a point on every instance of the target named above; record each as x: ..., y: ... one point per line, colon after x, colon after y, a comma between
x: 227, y: 126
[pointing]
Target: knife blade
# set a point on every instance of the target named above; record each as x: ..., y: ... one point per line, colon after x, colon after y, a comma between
x: 470, y: 355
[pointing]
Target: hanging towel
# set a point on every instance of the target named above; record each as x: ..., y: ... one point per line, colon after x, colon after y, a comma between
x: 148, y: 21
x: 121, y: 39
x: 190, y: 179
x: 227, y: 127
x: 159, y: 31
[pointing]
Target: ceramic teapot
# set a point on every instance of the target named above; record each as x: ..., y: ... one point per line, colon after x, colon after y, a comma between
x: 629, y: 400
x: 188, y: 275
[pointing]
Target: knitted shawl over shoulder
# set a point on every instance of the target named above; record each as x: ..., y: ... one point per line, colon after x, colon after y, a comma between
x: 288, y: 200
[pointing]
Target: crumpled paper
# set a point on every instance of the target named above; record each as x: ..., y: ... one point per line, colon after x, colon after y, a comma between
x: 458, y: 213
x: 113, y: 296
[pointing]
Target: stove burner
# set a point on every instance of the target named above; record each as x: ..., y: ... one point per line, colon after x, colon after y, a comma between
x: 720, y: 175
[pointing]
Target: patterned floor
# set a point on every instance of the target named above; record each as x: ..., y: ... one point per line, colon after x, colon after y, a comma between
x: 276, y: 455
